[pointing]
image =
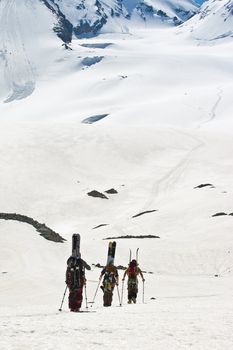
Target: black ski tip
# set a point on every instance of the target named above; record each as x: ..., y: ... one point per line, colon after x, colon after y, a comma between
x: 60, y: 310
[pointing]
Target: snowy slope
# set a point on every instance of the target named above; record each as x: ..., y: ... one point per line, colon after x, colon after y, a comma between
x: 27, y: 44
x: 159, y: 108
x: 215, y: 20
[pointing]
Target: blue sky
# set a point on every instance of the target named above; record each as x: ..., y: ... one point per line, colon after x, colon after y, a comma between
x: 199, y: 1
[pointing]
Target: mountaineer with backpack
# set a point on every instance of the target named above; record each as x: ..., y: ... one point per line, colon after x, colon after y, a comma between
x: 132, y: 272
x: 76, y: 280
x: 110, y: 275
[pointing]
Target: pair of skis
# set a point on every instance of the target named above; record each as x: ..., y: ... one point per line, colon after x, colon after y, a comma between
x: 130, y: 255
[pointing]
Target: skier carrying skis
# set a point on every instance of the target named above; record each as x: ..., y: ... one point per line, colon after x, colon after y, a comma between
x: 132, y: 272
x: 75, y: 280
x: 111, y: 279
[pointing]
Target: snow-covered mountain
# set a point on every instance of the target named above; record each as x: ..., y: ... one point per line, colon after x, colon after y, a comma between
x: 214, y: 21
x: 169, y: 11
x: 30, y: 31
x: 86, y: 17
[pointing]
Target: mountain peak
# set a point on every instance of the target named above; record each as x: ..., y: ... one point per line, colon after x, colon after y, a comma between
x: 214, y: 20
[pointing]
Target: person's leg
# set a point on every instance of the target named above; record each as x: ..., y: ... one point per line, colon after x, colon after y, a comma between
x: 79, y: 298
x: 75, y: 300
x: 72, y: 300
x: 107, y: 298
x: 134, y: 293
x: 130, y: 295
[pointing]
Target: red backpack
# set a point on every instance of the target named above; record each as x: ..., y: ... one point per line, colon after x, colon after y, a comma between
x: 132, y: 269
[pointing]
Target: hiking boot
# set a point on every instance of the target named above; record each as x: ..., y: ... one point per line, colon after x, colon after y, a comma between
x: 129, y: 301
x: 134, y: 300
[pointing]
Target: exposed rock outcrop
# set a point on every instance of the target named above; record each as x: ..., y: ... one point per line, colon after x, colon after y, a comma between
x: 44, y: 230
x: 144, y: 212
x: 131, y: 236
x: 97, y: 194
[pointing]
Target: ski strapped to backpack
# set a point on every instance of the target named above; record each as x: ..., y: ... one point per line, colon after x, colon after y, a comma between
x: 132, y: 269
x: 130, y: 255
x: 75, y: 268
x: 110, y: 271
x: 76, y: 245
x: 136, y: 254
x: 111, y: 252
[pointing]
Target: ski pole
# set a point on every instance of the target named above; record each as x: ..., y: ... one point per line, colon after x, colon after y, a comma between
x: 122, y: 291
x: 143, y: 292
x: 118, y: 295
x: 63, y: 299
x: 95, y: 293
x: 85, y: 289
x: 137, y: 254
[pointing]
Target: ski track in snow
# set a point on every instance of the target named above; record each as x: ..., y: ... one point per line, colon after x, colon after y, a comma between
x: 162, y: 187
x: 158, y: 192
x: 19, y: 75
x: 214, y: 108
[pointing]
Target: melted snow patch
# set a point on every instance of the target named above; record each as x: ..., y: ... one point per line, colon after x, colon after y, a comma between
x: 90, y: 61
x: 94, y: 118
x: 96, y: 45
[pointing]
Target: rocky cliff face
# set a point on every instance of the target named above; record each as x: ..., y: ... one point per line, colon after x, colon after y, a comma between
x: 84, y: 17
x: 63, y: 27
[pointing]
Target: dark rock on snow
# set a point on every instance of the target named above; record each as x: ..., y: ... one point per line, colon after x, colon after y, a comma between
x: 219, y: 214
x: 97, y: 194
x: 204, y: 185
x: 144, y: 212
x: 111, y: 191
x: 94, y: 118
x: 101, y: 225
x: 131, y: 236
